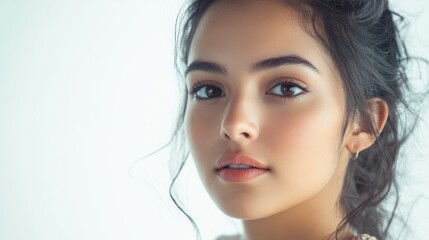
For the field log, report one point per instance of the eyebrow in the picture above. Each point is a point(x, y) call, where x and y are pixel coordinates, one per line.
point(200, 65)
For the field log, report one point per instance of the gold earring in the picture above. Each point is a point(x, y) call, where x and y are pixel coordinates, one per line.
point(355, 155)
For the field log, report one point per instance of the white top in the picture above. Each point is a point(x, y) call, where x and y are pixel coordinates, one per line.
point(233, 237)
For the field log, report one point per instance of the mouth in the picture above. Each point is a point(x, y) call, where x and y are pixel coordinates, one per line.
point(239, 160)
point(240, 174)
point(239, 167)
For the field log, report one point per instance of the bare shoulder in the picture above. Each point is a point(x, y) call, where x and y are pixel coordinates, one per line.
point(230, 237)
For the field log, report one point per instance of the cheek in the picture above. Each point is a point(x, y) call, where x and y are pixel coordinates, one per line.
point(304, 142)
point(200, 129)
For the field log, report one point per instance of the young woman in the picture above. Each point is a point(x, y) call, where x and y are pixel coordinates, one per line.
point(291, 113)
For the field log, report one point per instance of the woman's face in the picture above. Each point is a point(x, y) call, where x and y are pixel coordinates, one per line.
point(287, 115)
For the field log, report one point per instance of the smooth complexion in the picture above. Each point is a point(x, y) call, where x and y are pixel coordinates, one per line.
point(286, 112)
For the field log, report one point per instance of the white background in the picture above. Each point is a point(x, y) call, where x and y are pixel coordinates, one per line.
point(86, 89)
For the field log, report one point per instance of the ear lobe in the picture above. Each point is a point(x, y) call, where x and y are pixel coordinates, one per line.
point(361, 135)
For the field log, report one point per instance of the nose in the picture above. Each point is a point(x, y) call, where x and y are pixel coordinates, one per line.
point(239, 123)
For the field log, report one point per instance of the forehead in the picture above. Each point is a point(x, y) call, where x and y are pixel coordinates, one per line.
point(239, 33)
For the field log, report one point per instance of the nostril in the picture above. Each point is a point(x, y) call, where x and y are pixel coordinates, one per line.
point(244, 135)
point(226, 136)
point(237, 134)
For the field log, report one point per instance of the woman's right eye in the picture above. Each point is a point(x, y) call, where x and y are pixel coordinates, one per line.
point(201, 91)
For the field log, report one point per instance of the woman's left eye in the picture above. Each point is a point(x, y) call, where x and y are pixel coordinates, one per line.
point(287, 89)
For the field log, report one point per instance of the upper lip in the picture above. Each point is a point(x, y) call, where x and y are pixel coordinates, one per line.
point(238, 158)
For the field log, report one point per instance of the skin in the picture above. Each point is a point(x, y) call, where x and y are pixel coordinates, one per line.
point(300, 139)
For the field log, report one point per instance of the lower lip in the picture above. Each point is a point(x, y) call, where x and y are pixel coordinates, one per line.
point(240, 174)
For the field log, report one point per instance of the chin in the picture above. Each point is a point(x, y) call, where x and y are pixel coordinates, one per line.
point(243, 211)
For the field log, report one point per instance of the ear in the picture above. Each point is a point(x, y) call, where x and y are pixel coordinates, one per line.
point(359, 134)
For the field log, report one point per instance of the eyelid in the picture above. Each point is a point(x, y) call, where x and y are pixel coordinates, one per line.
point(276, 81)
point(289, 80)
point(203, 83)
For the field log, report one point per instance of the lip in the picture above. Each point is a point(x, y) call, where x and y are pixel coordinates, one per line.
point(235, 175)
point(239, 158)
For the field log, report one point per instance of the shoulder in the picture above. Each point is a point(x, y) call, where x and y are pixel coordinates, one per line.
point(230, 237)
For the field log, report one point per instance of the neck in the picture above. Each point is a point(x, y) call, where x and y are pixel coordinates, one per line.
point(284, 226)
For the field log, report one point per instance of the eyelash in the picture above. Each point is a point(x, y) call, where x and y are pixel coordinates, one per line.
point(290, 83)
